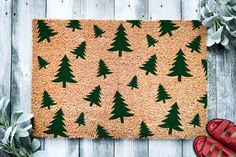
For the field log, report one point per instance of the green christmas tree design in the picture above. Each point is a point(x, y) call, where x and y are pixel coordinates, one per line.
point(196, 121)
point(42, 62)
point(172, 121)
point(102, 133)
point(74, 24)
point(150, 40)
point(98, 32)
point(103, 70)
point(133, 83)
point(120, 43)
point(150, 65)
point(203, 100)
point(135, 23)
point(80, 50)
point(120, 109)
point(94, 96)
point(167, 26)
point(57, 126)
point(47, 100)
point(80, 120)
point(180, 66)
point(196, 24)
point(162, 94)
point(44, 31)
point(144, 131)
point(195, 45)
point(204, 66)
point(64, 74)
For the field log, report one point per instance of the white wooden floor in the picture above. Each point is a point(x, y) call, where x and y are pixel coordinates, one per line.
point(15, 68)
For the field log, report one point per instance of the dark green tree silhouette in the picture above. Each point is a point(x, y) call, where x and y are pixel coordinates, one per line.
point(196, 24)
point(120, 109)
point(167, 26)
point(136, 23)
point(204, 66)
point(180, 66)
point(172, 120)
point(80, 120)
point(144, 131)
point(203, 100)
point(74, 24)
point(150, 40)
point(150, 65)
point(102, 133)
point(42, 62)
point(44, 31)
point(80, 50)
point(162, 94)
point(120, 43)
point(133, 83)
point(196, 121)
point(94, 96)
point(47, 100)
point(195, 45)
point(98, 32)
point(64, 74)
point(57, 126)
point(103, 70)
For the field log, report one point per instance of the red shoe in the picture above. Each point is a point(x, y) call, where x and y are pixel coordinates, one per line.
point(208, 147)
point(223, 131)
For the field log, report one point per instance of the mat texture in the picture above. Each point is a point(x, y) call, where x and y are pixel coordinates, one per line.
point(120, 79)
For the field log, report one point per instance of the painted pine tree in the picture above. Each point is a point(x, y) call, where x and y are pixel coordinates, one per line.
point(195, 45)
point(80, 120)
point(102, 133)
point(80, 50)
point(64, 74)
point(120, 109)
point(94, 96)
point(162, 94)
point(203, 100)
point(196, 24)
point(204, 66)
point(133, 83)
point(47, 100)
point(172, 121)
point(44, 31)
point(98, 32)
point(120, 42)
point(144, 131)
point(74, 24)
point(166, 27)
point(150, 65)
point(42, 62)
point(57, 126)
point(135, 23)
point(180, 67)
point(196, 121)
point(103, 70)
point(150, 40)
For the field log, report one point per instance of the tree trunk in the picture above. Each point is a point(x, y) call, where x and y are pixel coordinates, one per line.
point(64, 85)
point(122, 119)
point(170, 131)
point(179, 78)
point(120, 53)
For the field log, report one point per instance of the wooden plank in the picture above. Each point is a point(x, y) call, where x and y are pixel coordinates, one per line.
point(190, 11)
point(131, 9)
point(162, 9)
point(5, 48)
point(97, 9)
point(63, 9)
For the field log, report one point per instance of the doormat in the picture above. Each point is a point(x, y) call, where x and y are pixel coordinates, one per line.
point(119, 79)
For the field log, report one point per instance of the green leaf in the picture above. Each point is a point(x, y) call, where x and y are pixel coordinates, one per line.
point(3, 104)
point(15, 116)
point(13, 134)
point(225, 40)
point(208, 22)
point(217, 35)
point(39, 154)
point(35, 144)
point(21, 132)
point(24, 117)
point(5, 140)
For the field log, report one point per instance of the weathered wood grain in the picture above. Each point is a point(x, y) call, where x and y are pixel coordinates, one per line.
point(97, 9)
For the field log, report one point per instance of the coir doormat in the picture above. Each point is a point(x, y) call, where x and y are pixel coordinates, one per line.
point(120, 79)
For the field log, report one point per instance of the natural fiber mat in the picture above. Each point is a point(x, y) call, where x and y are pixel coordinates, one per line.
point(120, 79)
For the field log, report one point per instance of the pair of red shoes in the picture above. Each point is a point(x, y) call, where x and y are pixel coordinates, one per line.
point(222, 143)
